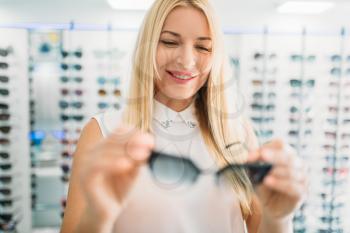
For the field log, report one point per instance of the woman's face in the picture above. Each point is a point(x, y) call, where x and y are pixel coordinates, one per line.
point(184, 54)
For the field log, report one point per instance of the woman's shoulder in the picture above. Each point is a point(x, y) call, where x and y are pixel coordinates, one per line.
point(108, 120)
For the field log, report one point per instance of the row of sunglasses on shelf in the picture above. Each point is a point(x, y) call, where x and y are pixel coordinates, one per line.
point(63, 104)
point(98, 53)
point(293, 57)
point(9, 203)
point(301, 57)
point(292, 82)
point(101, 80)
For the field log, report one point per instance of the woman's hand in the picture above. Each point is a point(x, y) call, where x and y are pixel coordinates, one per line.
point(285, 187)
point(108, 172)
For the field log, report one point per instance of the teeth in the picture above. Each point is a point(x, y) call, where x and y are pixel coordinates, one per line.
point(182, 76)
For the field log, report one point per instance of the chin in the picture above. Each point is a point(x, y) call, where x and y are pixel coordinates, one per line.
point(179, 95)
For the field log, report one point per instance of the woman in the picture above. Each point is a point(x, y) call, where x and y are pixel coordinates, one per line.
point(177, 105)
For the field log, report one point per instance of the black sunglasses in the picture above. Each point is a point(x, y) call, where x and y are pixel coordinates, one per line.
point(4, 92)
point(4, 79)
point(169, 170)
point(65, 66)
point(75, 104)
point(77, 53)
point(4, 155)
point(4, 65)
point(4, 106)
point(5, 129)
point(72, 117)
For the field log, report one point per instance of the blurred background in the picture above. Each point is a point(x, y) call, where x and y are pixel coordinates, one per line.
point(63, 61)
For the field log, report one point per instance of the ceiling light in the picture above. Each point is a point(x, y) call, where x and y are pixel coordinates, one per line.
point(130, 4)
point(304, 7)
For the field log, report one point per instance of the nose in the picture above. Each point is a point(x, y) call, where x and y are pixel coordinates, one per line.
point(187, 57)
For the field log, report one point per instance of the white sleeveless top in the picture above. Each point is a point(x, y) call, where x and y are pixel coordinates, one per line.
point(203, 207)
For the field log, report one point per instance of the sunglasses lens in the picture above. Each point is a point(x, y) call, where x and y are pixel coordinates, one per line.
point(4, 79)
point(103, 105)
point(4, 92)
point(171, 171)
point(257, 171)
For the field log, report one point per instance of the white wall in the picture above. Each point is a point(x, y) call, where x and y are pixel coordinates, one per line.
point(236, 14)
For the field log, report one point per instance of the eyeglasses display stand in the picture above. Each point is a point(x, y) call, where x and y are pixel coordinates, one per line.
point(14, 125)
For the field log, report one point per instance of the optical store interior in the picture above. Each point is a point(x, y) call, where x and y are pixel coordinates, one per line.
point(63, 61)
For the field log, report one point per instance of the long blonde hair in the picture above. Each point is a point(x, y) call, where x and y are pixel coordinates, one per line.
point(210, 102)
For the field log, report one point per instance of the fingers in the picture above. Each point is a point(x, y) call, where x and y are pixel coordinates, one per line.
point(133, 143)
point(288, 175)
point(287, 186)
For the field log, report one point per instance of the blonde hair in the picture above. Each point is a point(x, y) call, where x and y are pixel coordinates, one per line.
point(210, 102)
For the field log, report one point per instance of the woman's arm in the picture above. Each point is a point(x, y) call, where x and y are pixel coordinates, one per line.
point(90, 136)
point(259, 223)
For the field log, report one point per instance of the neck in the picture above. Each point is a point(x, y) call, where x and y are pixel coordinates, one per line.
point(175, 104)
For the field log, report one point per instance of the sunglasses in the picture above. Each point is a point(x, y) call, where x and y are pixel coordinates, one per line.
point(169, 170)
point(333, 159)
point(4, 79)
point(5, 129)
point(66, 154)
point(71, 117)
point(6, 166)
point(66, 91)
point(270, 95)
point(4, 65)
point(335, 71)
point(262, 119)
point(258, 56)
point(333, 135)
point(260, 82)
point(4, 141)
point(297, 132)
point(77, 53)
point(295, 121)
point(4, 106)
point(264, 133)
point(65, 104)
point(4, 155)
point(5, 192)
point(69, 142)
point(5, 179)
point(65, 79)
point(65, 168)
point(103, 92)
point(6, 52)
point(103, 105)
point(336, 109)
point(104, 80)
point(4, 116)
point(299, 58)
point(65, 66)
point(4, 92)
point(65, 178)
point(295, 109)
point(343, 171)
point(298, 83)
point(268, 107)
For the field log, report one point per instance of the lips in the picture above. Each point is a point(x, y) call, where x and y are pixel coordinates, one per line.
point(179, 80)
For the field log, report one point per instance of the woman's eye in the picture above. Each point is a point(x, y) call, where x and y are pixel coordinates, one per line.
point(171, 43)
point(203, 48)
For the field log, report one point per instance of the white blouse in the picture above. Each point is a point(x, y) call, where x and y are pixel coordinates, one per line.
point(151, 207)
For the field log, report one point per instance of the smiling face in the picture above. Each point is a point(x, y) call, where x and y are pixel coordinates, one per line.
point(184, 54)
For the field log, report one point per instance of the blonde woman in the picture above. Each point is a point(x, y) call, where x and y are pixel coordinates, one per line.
point(177, 105)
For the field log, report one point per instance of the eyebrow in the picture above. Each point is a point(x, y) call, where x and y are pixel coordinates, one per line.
point(178, 35)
